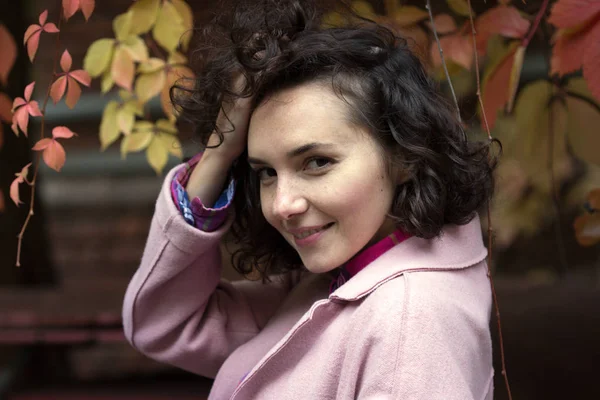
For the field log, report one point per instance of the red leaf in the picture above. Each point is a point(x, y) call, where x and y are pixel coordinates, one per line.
point(62, 132)
point(87, 8)
point(73, 93)
point(70, 7)
point(42, 144)
point(457, 48)
point(32, 44)
point(81, 76)
point(30, 31)
point(66, 61)
point(43, 17)
point(591, 61)
point(54, 156)
point(29, 91)
point(8, 53)
point(20, 119)
point(50, 28)
point(14, 191)
point(495, 91)
point(570, 13)
point(5, 108)
point(57, 90)
point(444, 23)
point(502, 20)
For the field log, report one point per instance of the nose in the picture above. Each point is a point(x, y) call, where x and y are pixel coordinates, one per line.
point(289, 201)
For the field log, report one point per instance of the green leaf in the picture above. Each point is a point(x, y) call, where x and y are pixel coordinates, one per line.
point(171, 143)
point(169, 27)
point(107, 81)
point(98, 57)
point(144, 15)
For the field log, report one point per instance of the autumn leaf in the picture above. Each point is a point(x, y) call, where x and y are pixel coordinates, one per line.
point(461, 7)
point(187, 17)
point(32, 34)
point(70, 7)
point(496, 82)
point(14, 186)
point(583, 121)
point(444, 24)
point(157, 155)
point(98, 57)
point(122, 25)
point(169, 27)
point(409, 15)
point(144, 15)
point(109, 130)
point(123, 68)
point(576, 41)
point(179, 74)
point(457, 47)
point(8, 53)
point(151, 80)
point(68, 80)
point(501, 20)
point(53, 153)
point(136, 47)
point(22, 108)
point(587, 226)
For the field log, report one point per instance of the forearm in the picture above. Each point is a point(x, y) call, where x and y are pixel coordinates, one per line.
point(209, 177)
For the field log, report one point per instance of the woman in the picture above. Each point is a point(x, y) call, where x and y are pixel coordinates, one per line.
point(353, 194)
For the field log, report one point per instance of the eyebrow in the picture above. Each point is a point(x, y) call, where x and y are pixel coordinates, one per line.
point(298, 151)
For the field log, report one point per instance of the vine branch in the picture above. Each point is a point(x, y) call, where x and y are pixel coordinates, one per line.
point(42, 129)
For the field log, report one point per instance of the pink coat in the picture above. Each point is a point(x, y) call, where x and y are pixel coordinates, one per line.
point(414, 324)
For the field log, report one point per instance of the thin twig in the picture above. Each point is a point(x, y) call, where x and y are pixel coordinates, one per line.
point(489, 213)
point(437, 40)
point(536, 23)
point(42, 127)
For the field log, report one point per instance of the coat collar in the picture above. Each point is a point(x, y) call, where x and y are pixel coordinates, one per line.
point(457, 247)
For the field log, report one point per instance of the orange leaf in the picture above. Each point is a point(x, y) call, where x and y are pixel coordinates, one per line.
point(62, 132)
point(569, 13)
point(70, 7)
point(456, 47)
point(42, 144)
point(81, 76)
point(8, 53)
point(122, 68)
point(568, 51)
point(23, 108)
point(587, 229)
point(14, 191)
point(87, 8)
point(32, 44)
point(502, 20)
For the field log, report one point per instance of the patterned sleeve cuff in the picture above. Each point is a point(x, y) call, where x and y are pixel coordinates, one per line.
point(195, 213)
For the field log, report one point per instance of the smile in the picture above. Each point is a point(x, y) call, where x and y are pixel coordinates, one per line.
point(309, 236)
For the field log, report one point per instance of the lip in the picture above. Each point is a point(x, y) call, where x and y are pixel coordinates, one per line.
point(309, 239)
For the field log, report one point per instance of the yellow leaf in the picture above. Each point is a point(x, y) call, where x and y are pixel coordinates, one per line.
point(152, 64)
point(409, 15)
point(98, 56)
point(122, 68)
point(167, 126)
point(157, 155)
point(169, 27)
point(136, 47)
point(138, 141)
point(122, 25)
point(583, 122)
point(515, 77)
point(109, 131)
point(171, 143)
point(149, 85)
point(144, 15)
point(177, 58)
point(461, 7)
point(107, 81)
point(143, 126)
point(538, 123)
point(187, 16)
point(125, 120)
point(364, 9)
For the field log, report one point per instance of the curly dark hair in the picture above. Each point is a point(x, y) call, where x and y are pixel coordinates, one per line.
point(279, 44)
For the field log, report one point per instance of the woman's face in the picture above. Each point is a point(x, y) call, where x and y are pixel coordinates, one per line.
point(323, 181)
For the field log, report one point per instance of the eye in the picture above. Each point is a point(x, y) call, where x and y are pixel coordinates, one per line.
point(317, 163)
point(265, 173)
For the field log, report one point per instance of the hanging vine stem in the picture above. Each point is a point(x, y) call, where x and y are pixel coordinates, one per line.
point(42, 128)
point(437, 40)
point(489, 213)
